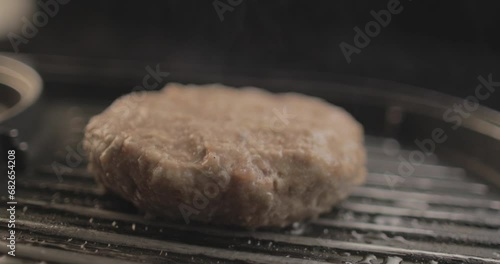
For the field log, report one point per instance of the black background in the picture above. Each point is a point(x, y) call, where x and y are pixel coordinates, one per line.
point(440, 45)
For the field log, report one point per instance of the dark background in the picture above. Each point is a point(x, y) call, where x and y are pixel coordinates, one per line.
point(440, 45)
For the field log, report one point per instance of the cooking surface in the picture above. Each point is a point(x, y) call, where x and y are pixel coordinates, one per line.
point(440, 214)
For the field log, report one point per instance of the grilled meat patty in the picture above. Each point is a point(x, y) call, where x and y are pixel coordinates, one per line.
point(216, 154)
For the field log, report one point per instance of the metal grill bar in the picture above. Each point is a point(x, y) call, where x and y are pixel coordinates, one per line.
point(432, 199)
point(430, 185)
point(489, 220)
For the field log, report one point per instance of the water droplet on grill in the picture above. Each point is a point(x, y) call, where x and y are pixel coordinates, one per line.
point(297, 228)
point(382, 236)
point(391, 147)
point(402, 240)
point(357, 235)
point(367, 260)
point(388, 220)
point(347, 215)
point(393, 260)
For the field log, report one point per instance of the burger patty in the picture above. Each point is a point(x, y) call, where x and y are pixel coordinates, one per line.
point(216, 154)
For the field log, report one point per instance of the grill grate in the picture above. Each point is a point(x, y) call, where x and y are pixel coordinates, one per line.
point(438, 215)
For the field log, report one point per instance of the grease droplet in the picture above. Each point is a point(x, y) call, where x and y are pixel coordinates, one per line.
point(367, 260)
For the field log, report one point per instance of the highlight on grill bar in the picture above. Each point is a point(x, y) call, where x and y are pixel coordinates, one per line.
point(416, 207)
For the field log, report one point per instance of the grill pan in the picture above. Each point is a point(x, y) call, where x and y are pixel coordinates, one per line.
point(446, 211)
